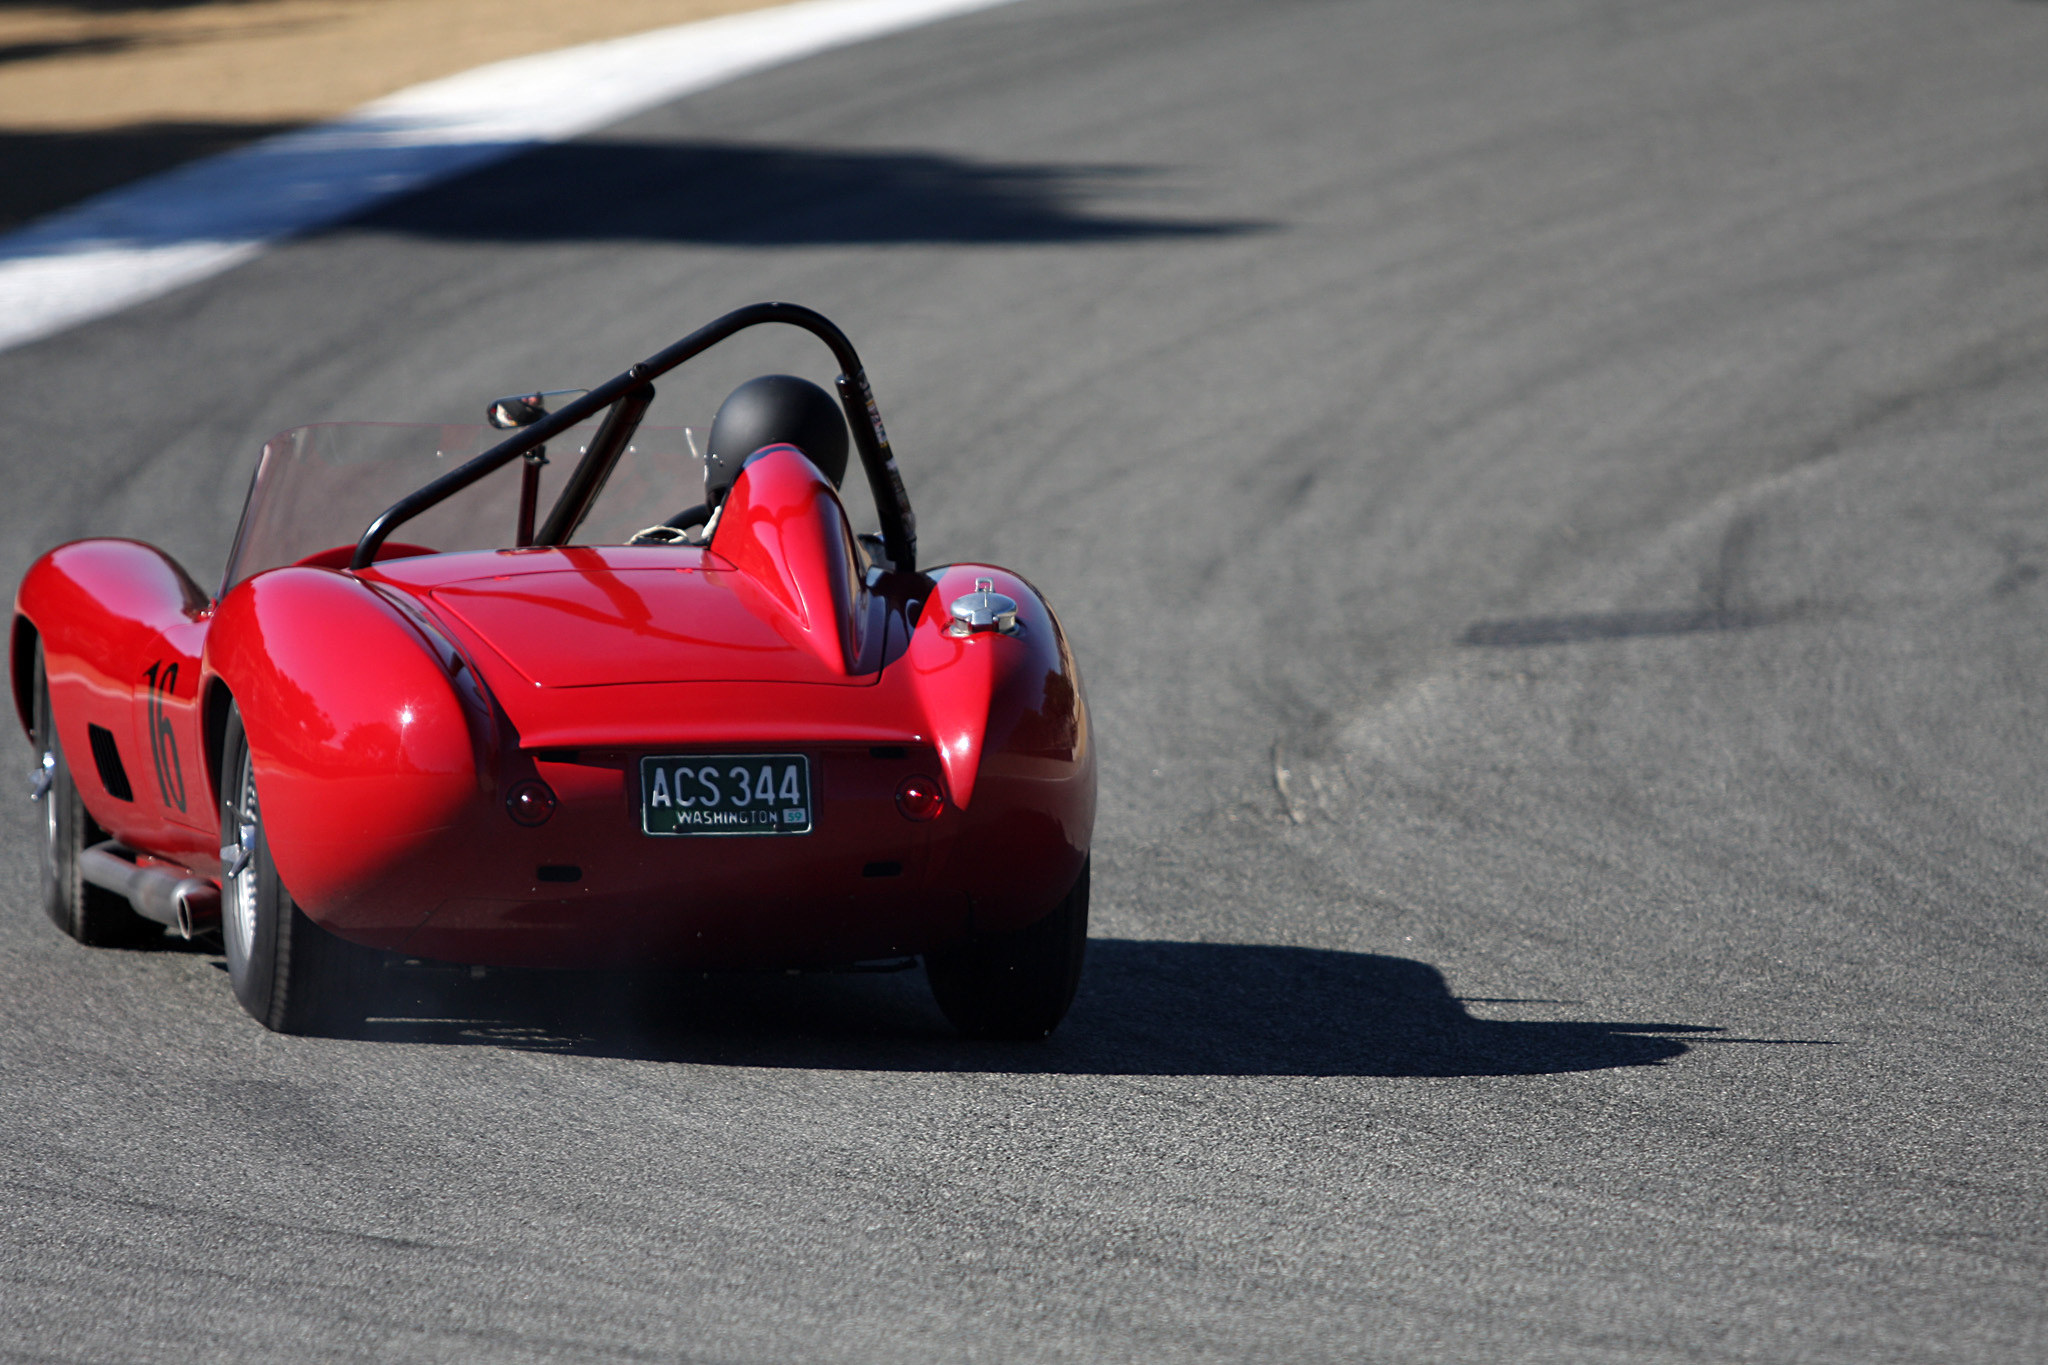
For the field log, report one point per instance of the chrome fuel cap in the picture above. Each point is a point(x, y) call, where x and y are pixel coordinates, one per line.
point(983, 609)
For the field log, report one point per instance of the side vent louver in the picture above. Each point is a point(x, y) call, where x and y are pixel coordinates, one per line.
point(107, 758)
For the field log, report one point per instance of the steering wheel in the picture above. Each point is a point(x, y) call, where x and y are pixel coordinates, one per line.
point(677, 530)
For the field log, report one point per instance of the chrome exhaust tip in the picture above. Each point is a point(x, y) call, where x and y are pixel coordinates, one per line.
point(186, 903)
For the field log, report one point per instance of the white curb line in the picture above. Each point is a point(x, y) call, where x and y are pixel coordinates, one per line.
point(149, 238)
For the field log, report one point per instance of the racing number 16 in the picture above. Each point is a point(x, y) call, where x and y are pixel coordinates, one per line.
point(163, 745)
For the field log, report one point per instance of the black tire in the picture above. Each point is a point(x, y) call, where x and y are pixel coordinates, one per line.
point(1015, 985)
point(90, 914)
point(291, 975)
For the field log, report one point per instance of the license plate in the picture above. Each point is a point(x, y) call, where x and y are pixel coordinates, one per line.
point(725, 794)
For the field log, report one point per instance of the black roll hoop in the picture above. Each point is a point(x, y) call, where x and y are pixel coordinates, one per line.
point(628, 396)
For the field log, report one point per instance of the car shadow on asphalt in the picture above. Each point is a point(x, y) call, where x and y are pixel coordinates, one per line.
point(1144, 1008)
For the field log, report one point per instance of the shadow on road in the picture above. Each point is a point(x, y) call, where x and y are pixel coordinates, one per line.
point(43, 170)
point(1145, 1008)
point(730, 194)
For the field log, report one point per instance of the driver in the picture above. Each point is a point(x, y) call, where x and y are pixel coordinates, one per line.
point(774, 409)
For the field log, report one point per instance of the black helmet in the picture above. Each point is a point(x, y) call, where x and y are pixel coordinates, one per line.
point(775, 409)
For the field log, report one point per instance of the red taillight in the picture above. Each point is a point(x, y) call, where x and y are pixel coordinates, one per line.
point(919, 798)
point(530, 802)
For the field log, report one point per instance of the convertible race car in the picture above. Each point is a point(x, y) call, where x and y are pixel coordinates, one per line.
point(622, 733)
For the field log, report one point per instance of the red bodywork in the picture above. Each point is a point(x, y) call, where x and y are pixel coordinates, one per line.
point(390, 711)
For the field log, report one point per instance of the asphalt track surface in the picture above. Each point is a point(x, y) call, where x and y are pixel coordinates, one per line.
point(1549, 498)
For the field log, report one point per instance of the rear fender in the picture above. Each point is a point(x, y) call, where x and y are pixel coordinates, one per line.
point(1009, 717)
point(370, 736)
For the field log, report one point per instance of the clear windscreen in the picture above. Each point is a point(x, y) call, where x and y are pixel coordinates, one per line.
point(317, 488)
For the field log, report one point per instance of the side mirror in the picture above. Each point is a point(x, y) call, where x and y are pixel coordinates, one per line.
point(523, 409)
point(508, 413)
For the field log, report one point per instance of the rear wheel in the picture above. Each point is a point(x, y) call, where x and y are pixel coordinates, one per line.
point(289, 973)
point(1016, 985)
point(91, 914)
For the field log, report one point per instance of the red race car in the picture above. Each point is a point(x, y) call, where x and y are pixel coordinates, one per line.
point(449, 726)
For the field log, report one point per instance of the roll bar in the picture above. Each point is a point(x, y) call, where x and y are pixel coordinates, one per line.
point(628, 396)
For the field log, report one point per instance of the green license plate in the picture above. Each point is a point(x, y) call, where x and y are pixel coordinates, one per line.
point(725, 794)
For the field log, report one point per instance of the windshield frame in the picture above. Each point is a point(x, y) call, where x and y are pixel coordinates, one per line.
point(314, 487)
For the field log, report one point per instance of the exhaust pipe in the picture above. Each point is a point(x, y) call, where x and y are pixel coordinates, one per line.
point(187, 904)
